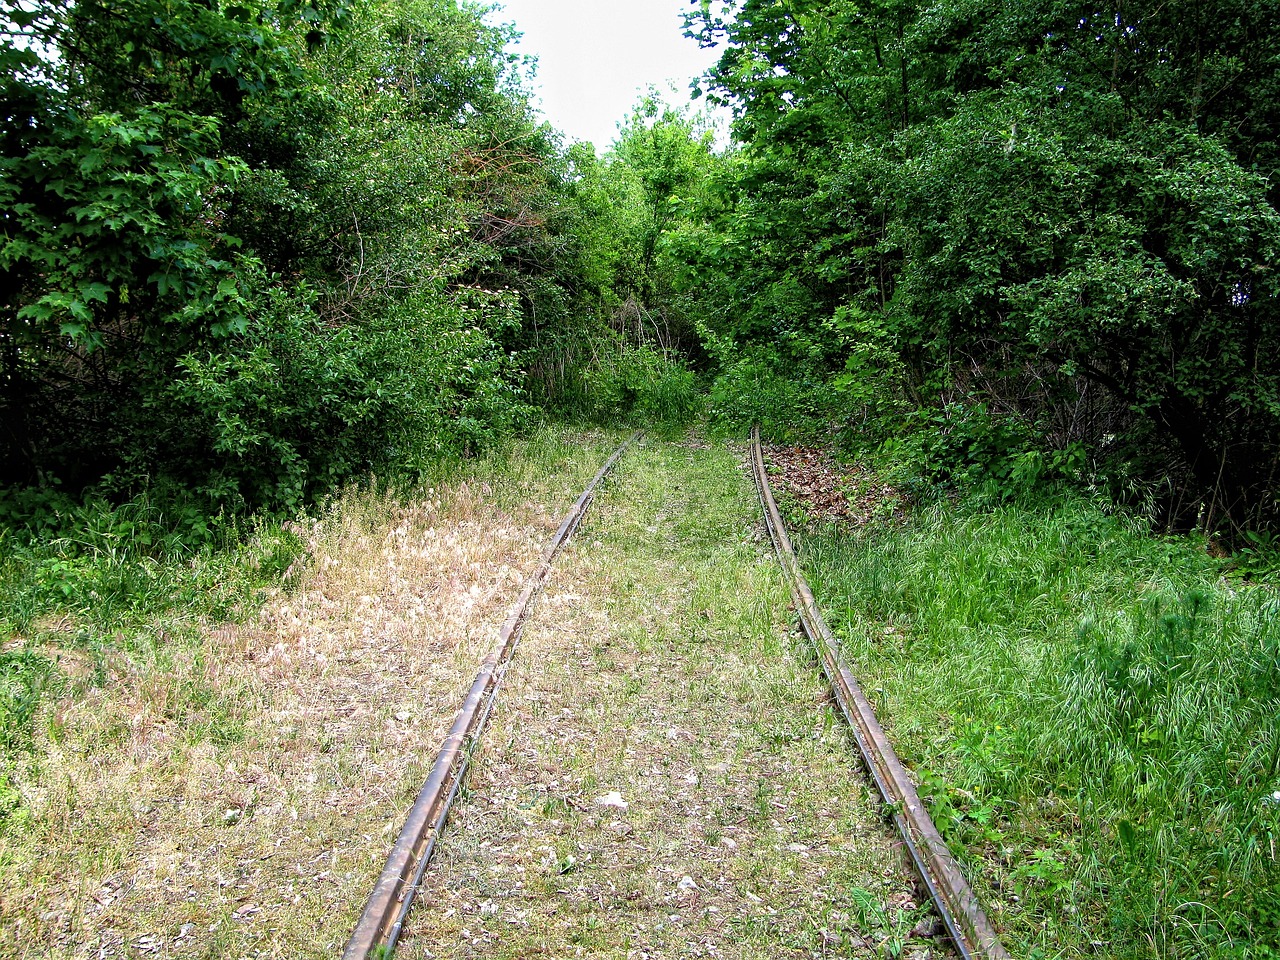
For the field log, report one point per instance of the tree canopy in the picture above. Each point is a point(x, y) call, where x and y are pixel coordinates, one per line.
point(1046, 218)
point(251, 248)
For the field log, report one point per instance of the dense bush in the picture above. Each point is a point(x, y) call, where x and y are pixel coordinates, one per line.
point(639, 383)
point(788, 404)
point(252, 250)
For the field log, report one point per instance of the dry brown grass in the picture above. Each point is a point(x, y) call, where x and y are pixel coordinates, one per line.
point(236, 797)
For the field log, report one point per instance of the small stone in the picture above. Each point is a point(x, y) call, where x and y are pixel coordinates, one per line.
point(927, 927)
point(612, 799)
point(687, 883)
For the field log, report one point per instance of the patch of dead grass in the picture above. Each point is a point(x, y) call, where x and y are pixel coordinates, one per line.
point(237, 795)
point(663, 777)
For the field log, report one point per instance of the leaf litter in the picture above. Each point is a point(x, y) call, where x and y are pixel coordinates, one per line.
point(821, 490)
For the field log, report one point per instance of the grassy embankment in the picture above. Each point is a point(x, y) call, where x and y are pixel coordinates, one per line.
point(1093, 711)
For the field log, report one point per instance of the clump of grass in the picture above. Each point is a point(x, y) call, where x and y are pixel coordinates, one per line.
point(24, 674)
point(117, 586)
point(1095, 715)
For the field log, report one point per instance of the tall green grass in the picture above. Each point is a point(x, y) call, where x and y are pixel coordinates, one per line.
point(1094, 714)
point(641, 384)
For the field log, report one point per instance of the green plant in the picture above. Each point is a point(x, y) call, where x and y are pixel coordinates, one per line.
point(642, 383)
point(24, 675)
point(788, 405)
point(1259, 556)
point(1034, 208)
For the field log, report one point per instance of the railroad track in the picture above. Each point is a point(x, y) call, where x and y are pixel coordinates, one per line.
point(382, 921)
point(378, 930)
point(953, 898)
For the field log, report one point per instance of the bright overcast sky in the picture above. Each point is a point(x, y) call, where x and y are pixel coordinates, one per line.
point(596, 57)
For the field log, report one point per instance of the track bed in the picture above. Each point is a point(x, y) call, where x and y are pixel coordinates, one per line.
point(664, 776)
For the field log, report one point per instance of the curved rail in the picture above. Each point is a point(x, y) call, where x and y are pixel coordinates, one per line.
point(954, 899)
point(378, 930)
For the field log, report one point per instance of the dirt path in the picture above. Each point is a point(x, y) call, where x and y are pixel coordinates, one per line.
point(664, 776)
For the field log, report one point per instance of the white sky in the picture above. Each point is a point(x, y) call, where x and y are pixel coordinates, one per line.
point(596, 57)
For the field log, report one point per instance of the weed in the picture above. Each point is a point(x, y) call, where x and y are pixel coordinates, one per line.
point(24, 674)
point(1259, 557)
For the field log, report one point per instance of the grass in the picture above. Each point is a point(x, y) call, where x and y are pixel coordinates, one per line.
point(82, 610)
point(124, 584)
point(661, 666)
point(207, 750)
point(1094, 714)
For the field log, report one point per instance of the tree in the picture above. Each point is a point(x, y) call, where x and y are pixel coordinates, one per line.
point(115, 188)
point(253, 248)
point(1063, 217)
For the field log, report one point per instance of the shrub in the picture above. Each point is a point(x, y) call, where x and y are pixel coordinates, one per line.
point(642, 383)
point(752, 389)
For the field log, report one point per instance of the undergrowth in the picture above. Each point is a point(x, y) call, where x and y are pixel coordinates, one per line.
point(115, 584)
point(634, 384)
point(1094, 714)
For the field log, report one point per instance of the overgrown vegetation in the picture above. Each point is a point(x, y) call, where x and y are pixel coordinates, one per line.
point(254, 250)
point(1094, 714)
point(1059, 217)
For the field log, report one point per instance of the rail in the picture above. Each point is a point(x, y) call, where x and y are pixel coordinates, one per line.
point(378, 930)
point(966, 922)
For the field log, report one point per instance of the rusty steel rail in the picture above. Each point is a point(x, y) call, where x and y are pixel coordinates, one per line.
point(378, 930)
point(966, 922)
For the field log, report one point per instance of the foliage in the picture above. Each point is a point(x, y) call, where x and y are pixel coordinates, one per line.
point(115, 188)
point(23, 676)
point(626, 211)
point(788, 404)
point(641, 383)
point(265, 247)
point(296, 406)
point(1064, 218)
